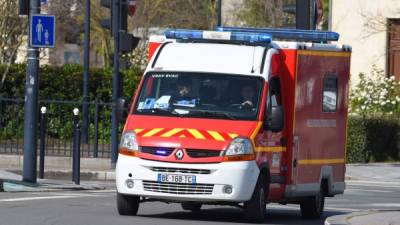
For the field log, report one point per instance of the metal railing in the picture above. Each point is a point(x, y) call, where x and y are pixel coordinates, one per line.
point(59, 127)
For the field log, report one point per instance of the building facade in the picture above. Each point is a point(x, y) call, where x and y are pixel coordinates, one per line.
point(372, 28)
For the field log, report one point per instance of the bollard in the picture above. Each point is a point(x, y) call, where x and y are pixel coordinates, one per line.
point(96, 130)
point(43, 111)
point(76, 154)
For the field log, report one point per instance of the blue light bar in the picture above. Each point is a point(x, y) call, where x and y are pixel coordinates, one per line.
point(293, 34)
point(247, 37)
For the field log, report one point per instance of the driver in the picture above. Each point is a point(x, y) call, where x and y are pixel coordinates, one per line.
point(247, 96)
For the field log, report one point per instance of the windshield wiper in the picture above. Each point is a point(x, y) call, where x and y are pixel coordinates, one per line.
point(218, 114)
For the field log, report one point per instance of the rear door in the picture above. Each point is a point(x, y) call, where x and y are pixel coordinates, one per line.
point(320, 116)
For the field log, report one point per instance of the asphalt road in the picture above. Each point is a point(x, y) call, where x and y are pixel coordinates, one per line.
point(98, 207)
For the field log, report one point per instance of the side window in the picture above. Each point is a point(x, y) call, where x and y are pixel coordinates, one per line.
point(274, 94)
point(329, 96)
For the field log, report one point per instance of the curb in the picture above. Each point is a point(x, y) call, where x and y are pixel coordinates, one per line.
point(19, 186)
point(344, 219)
point(85, 175)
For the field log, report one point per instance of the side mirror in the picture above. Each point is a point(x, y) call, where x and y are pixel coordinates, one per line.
point(274, 121)
point(121, 109)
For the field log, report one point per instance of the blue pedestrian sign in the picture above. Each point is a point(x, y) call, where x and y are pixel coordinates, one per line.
point(42, 31)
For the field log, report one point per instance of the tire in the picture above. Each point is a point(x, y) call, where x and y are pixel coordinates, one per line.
point(255, 208)
point(313, 207)
point(127, 205)
point(191, 206)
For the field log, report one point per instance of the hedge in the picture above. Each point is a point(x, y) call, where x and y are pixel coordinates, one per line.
point(65, 84)
point(369, 139)
point(373, 139)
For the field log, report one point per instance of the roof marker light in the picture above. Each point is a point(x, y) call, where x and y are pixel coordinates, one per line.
point(304, 35)
point(248, 37)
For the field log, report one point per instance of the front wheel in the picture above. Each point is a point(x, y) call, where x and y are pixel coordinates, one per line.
point(313, 207)
point(255, 208)
point(127, 204)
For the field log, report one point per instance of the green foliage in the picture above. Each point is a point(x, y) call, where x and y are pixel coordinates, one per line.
point(373, 139)
point(259, 13)
point(64, 84)
point(356, 140)
point(375, 95)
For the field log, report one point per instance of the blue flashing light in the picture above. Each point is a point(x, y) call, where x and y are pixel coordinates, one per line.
point(161, 152)
point(304, 35)
point(183, 34)
point(251, 37)
point(256, 37)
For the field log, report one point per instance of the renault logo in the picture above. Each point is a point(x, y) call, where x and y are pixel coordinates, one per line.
point(179, 154)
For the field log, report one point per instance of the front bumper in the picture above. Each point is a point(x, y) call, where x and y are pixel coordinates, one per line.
point(241, 176)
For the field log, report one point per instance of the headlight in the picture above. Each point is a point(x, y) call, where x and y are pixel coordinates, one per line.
point(128, 141)
point(239, 146)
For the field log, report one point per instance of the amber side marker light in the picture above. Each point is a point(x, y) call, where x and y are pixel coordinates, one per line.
point(247, 157)
point(125, 151)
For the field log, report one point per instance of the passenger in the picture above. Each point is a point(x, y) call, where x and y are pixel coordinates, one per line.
point(183, 94)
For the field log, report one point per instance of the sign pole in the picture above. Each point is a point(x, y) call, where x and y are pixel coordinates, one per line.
point(115, 82)
point(31, 106)
point(86, 63)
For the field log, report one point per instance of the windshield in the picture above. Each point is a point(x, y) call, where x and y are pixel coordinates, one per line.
point(201, 95)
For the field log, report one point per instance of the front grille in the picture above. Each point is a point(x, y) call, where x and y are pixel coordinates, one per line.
point(179, 170)
point(179, 189)
point(202, 153)
point(153, 150)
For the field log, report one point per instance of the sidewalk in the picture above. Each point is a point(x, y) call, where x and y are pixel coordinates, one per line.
point(60, 168)
point(366, 218)
point(374, 173)
point(11, 182)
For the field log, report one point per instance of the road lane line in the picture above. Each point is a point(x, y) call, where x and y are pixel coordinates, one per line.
point(367, 190)
point(59, 196)
point(37, 198)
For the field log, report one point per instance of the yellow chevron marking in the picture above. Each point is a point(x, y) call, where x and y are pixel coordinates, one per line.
point(171, 132)
point(138, 130)
point(320, 161)
point(232, 135)
point(271, 149)
point(196, 134)
point(152, 132)
point(216, 135)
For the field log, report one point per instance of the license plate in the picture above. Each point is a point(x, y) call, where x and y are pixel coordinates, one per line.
point(175, 178)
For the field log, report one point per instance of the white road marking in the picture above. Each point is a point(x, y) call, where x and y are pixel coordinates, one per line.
point(103, 191)
point(373, 183)
point(397, 205)
point(341, 209)
point(274, 206)
point(36, 198)
point(59, 196)
point(367, 190)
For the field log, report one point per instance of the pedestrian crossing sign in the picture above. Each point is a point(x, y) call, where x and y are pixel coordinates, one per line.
point(42, 31)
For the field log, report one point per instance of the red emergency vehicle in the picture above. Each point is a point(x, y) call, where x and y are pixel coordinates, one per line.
point(236, 117)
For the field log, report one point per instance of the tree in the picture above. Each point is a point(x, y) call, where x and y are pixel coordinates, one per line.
point(12, 31)
point(262, 13)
